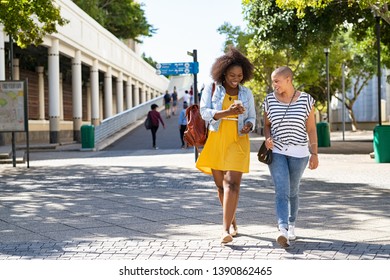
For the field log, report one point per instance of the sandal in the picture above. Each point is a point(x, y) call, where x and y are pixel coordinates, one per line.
point(226, 237)
point(235, 231)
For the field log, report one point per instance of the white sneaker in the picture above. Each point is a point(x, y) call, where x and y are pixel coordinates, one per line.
point(291, 232)
point(282, 238)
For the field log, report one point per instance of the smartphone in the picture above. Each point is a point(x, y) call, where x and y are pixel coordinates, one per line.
point(238, 102)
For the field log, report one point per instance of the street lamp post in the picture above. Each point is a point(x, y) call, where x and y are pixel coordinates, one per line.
point(194, 54)
point(328, 112)
point(378, 42)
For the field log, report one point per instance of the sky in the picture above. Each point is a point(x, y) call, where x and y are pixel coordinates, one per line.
point(185, 25)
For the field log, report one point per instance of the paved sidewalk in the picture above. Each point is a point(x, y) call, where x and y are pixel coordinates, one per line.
point(149, 204)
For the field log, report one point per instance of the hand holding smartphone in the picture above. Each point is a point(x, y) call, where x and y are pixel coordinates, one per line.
point(238, 104)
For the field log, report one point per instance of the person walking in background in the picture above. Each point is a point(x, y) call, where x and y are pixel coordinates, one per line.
point(167, 104)
point(183, 124)
point(290, 131)
point(174, 101)
point(186, 97)
point(200, 93)
point(191, 93)
point(230, 113)
point(156, 119)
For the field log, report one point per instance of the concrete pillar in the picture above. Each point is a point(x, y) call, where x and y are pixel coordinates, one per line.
point(147, 93)
point(143, 93)
point(54, 91)
point(41, 92)
point(16, 69)
point(136, 93)
point(108, 93)
point(129, 94)
point(101, 104)
point(88, 86)
point(119, 93)
point(61, 98)
point(77, 101)
point(2, 69)
point(2, 54)
point(95, 93)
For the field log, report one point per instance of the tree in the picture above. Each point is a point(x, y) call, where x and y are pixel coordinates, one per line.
point(149, 60)
point(123, 18)
point(379, 6)
point(29, 21)
point(298, 41)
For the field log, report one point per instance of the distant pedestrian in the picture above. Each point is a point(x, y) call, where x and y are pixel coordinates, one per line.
point(174, 101)
point(183, 124)
point(200, 93)
point(191, 95)
point(290, 131)
point(167, 104)
point(156, 119)
point(186, 97)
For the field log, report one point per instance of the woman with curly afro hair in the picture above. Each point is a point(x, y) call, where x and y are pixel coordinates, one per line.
point(228, 107)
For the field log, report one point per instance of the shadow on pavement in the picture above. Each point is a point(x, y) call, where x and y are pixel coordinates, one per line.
point(80, 203)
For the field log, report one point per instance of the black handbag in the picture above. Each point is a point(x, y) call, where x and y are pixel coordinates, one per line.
point(264, 155)
point(148, 122)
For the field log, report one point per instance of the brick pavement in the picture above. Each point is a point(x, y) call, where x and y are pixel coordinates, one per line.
point(153, 205)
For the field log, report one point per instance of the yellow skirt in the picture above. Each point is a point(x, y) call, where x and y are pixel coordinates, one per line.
point(224, 149)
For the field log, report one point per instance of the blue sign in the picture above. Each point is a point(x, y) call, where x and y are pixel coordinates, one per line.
point(177, 68)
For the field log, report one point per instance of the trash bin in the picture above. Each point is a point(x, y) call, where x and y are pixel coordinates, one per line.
point(87, 136)
point(323, 134)
point(381, 143)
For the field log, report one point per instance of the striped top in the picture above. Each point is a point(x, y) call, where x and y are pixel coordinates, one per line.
point(290, 130)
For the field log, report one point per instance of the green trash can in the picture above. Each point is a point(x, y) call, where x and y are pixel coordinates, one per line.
point(323, 134)
point(87, 136)
point(382, 143)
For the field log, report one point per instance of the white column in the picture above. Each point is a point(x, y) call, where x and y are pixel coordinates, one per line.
point(2, 54)
point(129, 94)
point(119, 93)
point(61, 98)
point(77, 90)
point(16, 69)
point(136, 93)
point(54, 91)
point(101, 104)
point(88, 86)
point(95, 93)
point(2, 69)
point(143, 93)
point(41, 91)
point(108, 93)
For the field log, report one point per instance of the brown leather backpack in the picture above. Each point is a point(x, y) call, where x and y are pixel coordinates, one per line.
point(196, 132)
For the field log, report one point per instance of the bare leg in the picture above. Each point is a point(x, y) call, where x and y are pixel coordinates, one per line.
point(231, 187)
point(228, 185)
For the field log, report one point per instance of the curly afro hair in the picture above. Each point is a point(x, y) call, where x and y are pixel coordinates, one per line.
point(232, 57)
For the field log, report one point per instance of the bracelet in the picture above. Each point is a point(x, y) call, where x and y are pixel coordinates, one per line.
point(314, 154)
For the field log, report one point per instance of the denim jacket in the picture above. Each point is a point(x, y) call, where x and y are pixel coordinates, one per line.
point(209, 106)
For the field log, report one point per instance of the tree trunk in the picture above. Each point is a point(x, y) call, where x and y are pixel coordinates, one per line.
point(353, 119)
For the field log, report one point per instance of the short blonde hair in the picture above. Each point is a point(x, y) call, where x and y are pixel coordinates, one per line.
point(285, 71)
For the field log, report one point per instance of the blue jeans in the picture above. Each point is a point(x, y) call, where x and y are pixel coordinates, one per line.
point(286, 172)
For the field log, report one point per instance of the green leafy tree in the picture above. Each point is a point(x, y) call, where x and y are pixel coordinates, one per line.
point(123, 18)
point(28, 21)
point(298, 41)
point(378, 6)
point(149, 60)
